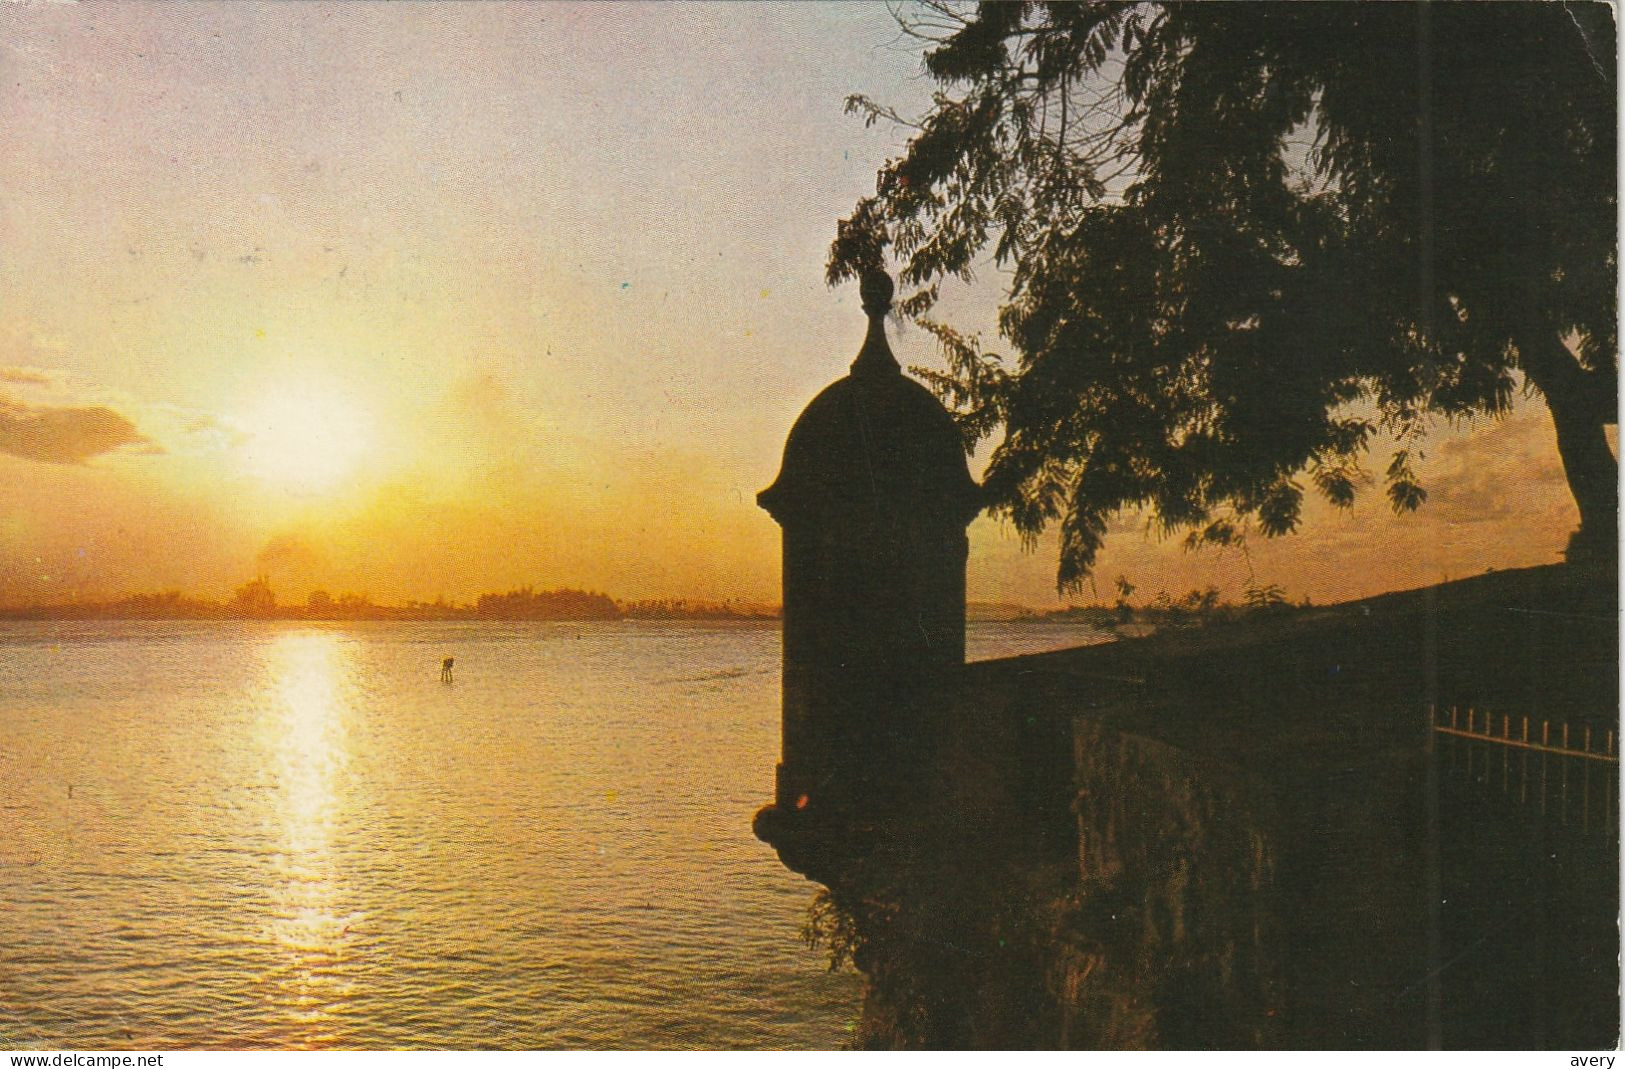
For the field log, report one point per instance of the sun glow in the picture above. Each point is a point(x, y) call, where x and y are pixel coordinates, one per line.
point(307, 441)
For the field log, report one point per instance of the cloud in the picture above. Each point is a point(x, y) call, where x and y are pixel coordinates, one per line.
point(204, 423)
point(24, 376)
point(288, 553)
point(63, 435)
point(1496, 472)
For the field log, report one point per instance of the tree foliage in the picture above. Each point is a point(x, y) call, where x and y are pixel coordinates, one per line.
point(1245, 238)
point(255, 597)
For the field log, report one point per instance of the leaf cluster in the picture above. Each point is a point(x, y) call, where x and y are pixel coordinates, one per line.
point(1243, 239)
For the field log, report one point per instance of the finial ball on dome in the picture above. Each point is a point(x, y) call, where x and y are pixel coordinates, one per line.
point(875, 288)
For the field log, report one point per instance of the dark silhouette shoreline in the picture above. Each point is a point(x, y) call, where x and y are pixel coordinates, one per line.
point(255, 601)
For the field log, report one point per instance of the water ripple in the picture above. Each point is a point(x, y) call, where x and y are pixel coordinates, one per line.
point(294, 837)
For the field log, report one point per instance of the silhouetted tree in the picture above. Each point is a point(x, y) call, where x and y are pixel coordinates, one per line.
point(254, 598)
point(1245, 237)
point(356, 605)
point(527, 603)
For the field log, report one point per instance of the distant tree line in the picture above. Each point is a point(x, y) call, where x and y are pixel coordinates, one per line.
point(256, 600)
point(527, 603)
point(1197, 608)
point(683, 609)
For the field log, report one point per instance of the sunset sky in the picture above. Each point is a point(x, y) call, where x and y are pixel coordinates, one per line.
point(426, 300)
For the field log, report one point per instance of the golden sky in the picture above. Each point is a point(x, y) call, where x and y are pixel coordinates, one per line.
point(426, 300)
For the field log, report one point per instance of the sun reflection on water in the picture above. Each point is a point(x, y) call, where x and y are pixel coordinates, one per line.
point(312, 916)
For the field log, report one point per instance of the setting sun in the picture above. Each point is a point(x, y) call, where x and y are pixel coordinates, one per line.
point(307, 441)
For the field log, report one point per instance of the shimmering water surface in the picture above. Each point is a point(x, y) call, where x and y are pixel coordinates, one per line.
point(292, 835)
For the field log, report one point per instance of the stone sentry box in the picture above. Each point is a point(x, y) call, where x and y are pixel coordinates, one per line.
point(874, 497)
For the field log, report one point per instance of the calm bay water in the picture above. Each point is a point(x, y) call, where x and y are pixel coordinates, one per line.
point(292, 835)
